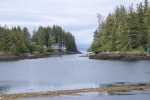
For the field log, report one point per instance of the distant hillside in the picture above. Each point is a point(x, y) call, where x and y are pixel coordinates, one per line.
point(83, 47)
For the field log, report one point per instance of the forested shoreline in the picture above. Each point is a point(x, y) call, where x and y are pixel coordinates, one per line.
point(18, 40)
point(125, 30)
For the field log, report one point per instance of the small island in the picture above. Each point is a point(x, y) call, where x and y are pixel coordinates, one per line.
point(17, 43)
point(124, 34)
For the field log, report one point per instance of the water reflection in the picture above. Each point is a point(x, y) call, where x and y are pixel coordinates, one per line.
point(129, 92)
point(4, 89)
point(56, 55)
point(148, 72)
point(115, 84)
point(116, 93)
point(125, 92)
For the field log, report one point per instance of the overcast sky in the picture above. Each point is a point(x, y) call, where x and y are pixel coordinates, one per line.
point(76, 16)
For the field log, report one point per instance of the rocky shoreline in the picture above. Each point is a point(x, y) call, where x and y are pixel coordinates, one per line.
point(124, 56)
point(33, 55)
point(70, 92)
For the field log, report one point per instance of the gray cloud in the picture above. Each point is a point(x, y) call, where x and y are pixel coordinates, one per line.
point(76, 16)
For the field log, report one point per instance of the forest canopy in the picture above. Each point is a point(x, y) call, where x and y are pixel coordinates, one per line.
point(17, 40)
point(125, 30)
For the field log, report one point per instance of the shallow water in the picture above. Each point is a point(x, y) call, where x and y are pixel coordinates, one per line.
point(61, 72)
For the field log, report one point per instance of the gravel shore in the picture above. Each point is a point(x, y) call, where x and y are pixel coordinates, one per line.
point(33, 55)
point(123, 56)
point(70, 92)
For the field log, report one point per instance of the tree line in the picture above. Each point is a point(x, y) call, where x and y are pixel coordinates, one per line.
point(17, 40)
point(124, 30)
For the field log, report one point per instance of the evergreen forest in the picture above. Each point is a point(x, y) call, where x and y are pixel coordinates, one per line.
point(127, 29)
point(17, 40)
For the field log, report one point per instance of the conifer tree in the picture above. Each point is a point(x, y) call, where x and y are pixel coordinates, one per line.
point(124, 30)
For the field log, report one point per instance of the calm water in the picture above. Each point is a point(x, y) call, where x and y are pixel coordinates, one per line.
point(68, 72)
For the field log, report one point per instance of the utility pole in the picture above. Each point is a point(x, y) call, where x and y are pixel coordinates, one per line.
point(62, 42)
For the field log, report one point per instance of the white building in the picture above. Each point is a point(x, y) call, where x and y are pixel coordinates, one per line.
point(58, 48)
